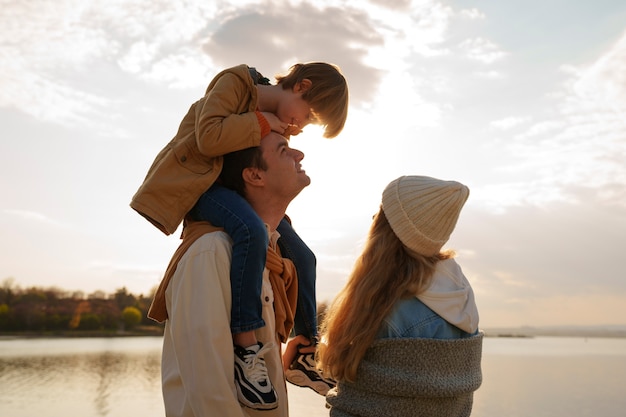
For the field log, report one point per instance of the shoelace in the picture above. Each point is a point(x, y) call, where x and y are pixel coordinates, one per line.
point(256, 371)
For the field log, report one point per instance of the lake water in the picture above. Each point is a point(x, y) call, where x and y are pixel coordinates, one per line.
point(120, 377)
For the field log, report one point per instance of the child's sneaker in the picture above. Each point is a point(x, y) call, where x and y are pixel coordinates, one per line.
point(254, 388)
point(302, 372)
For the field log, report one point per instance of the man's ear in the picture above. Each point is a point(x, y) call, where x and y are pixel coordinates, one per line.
point(252, 176)
point(303, 86)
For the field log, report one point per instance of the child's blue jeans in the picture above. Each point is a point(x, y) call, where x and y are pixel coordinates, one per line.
point(225, 208)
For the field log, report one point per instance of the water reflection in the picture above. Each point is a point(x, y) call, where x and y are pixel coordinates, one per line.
point(106, 367)
point(117, 380)
point(120, 377)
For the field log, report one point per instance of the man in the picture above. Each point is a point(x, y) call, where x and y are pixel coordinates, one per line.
point(194, 297)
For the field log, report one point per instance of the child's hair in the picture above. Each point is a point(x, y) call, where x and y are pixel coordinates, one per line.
point(385, 272)
point(328, 95)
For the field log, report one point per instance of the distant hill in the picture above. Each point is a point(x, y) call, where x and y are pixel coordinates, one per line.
point(568, 331)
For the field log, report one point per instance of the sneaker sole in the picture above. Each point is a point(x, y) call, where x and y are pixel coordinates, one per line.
point(243, 400)
point(300, 379)
point(255, 406)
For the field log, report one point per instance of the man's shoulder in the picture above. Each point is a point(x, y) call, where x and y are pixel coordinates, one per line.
point(218, 242)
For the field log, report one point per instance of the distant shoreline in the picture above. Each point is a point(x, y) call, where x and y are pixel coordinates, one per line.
point(558, 331)
point(140, 331)
point(501, 332)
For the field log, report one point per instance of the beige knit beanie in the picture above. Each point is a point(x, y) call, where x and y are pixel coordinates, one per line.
point(423, 211)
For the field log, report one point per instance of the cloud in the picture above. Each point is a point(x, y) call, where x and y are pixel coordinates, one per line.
point(277, 37)
point(184, 45)
point(54, 48)
point(472, 14)
point(422, 30)
point(508, 122)
point(39, 42)
point(33, 217)
point(400, 5)
point(52, 52)
point(186, 69)
point(604, 82)
point(490, 75)
point(571, 249)
point(482, 50)
point(578, 145)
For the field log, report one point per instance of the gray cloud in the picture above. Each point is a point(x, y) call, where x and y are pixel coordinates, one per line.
point(279, 37)
point(561, 248)
point(47, 48)
point(401, 5)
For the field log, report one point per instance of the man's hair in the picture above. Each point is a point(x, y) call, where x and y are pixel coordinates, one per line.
point(328, 95)
point(234, 164)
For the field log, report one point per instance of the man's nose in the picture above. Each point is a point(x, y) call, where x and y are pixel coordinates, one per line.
point(298, 155)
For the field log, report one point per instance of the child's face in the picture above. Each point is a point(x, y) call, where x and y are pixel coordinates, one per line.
point(295, 110)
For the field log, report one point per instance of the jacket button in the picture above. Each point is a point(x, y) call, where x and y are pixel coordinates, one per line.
point(183, 158)
point(267, 298)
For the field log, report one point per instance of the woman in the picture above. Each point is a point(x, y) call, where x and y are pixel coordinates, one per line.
point(402, 339)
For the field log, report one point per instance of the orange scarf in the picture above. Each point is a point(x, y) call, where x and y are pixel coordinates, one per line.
point(282, 274)
point(284, 282)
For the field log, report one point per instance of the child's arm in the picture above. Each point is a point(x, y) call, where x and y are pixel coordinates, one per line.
point(225, 120)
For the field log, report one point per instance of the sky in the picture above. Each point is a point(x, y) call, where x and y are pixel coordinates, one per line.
point(522, 101)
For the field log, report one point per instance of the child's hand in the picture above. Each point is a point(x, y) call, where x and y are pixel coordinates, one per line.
point(292, 130)
point(279, 126)
point(298, 343)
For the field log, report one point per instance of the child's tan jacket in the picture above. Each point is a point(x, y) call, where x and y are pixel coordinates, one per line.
point(222, 121)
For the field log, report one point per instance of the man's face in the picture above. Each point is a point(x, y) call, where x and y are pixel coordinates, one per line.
point(284, 176)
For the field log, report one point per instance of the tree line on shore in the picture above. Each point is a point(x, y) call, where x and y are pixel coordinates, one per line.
point(53, 310)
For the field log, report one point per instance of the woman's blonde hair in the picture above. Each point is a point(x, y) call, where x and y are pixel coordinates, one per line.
point(328, 95)
point(385, 272)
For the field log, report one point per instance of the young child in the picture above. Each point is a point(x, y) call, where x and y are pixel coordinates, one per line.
point(240, 106)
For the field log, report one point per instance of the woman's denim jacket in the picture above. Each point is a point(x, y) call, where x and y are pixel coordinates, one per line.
point(410, 318)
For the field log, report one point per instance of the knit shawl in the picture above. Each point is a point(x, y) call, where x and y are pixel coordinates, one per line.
point(412, 377)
